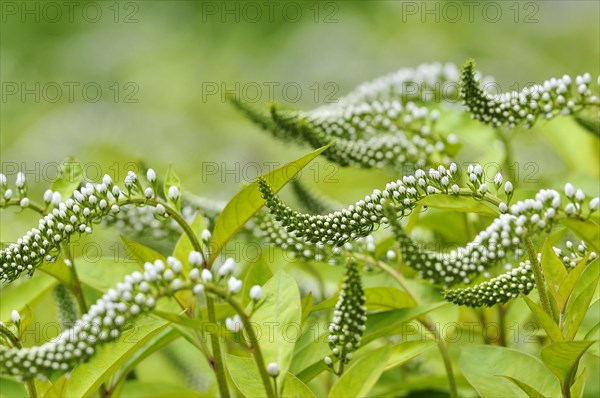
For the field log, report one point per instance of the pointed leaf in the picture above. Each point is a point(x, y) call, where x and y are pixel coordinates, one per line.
point(579, 385)
point(249, 200)
point(562, 359)
point(140, 253)
point(295, 388)
point(554, 269)
point(87, 378)
point(544, 319)
point(405, 351)
point(530, 391)
point(461, 204)
point(580, 299)
point(362, 375)
point(481, 365)
point(18, 296)
point(568, 284)
point(377, 298)
point(103, 273)
point(258, 274)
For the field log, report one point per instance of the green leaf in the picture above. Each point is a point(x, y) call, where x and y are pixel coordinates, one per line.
point(140, 253)
point(580, 299)
point(87, 378)
point(277, 321)
point(530, 391)
point(590, 124)
point(377, 298)
point(554, 270)
point(59, 271)
point(587, 230)
point(378, 325)
point(295, 388)
point(563, 357)
point(18, 296)
point(58, 388)
point(481, 365)
point(566, 287)
point(171, 180)
point(407, 350)
point(544, 319)
point(258, 274)
point(184, 245)
point(579, 385)
point(69, 179)
point(249, 200)
point(245, 375)
point(362, 375)
point(307, 305)
point(139, 389)
point(104, 273)
point(462, 204)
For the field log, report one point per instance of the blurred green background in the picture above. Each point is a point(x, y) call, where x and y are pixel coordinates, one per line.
point(113, 83)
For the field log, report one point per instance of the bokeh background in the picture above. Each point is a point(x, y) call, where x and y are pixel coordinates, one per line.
point(113, 83)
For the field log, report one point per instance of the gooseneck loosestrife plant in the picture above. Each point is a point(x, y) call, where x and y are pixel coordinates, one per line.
point(197, 295)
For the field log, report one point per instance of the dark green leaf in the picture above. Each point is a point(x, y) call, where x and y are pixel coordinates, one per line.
point(362, 375)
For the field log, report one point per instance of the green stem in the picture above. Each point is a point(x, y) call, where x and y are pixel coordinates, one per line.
point(539, 277)
point(442, 346)
point(76, 283)
point(17, 202)
point(255, 348)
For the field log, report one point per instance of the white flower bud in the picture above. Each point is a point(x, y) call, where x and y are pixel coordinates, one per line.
point(130, 178)
point(47, 195)
point(173, 192)
point(106, 180)
point(195, 258)
point(569, 190)
point(508, 187)
point(160, 209)
point(56, 198)
point(14, 315)
point(273, 369)
point(328, 361)
point(194, 274)
point(24, 202)
point(594, 203)
point(20, 181)
point(390, 255)
point(206, 235)
point(148, 192)
point(256, 293)
point(206, 275)
point(234, 324)
point(151, 175)
point(503, 207)
point(483, 188)
point(198, 289)
point(579, 195)
point(8, 194)
point(2, 180)
point(498, 179)
point(227, 267)
point(234, 285)
point(455, 188)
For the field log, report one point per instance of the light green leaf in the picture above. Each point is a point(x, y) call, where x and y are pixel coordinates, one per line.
point(18, 295)
point(594, 334)
point(138, 389)
point(258, 274)
point(362, 375)
point(562, 359)
point(377, 298)
point(566, 287)
point(184, 245)
point(307, 305)
point(58, 388)
point(407, 350)
point(105, 273)
point(87, 378)
point(277, 321)
point(295, 388)
point(59, 271)
point(554, 270)
point(378, 325)
point(245, 375)
point(481, 365)
point(544, 319)
point(69, 179)
point(249, 200)
point(580, 299)
point(140, 253)
point(530, 391)
point(462, 204)
point(587, 230)
point(579, 385)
